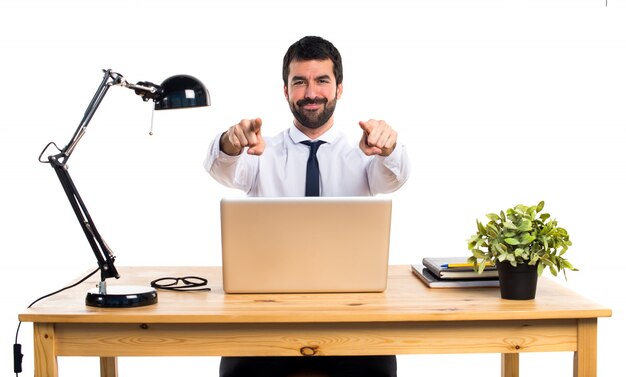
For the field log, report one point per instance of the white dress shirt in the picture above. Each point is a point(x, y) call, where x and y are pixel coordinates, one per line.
point(281, 170)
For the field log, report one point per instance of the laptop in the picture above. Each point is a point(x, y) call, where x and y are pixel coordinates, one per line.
point(305, 244)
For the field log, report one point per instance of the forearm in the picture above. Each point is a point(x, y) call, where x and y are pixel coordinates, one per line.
point(388, 174)
point(225, 169)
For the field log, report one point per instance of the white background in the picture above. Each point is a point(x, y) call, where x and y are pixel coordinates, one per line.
point(499, 102)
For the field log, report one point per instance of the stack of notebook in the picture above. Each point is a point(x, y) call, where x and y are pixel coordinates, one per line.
point(454, 272)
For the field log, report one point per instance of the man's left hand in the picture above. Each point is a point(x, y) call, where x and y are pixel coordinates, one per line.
point(378, 138)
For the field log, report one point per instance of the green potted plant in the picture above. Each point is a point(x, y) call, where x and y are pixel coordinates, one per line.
point(522, 243)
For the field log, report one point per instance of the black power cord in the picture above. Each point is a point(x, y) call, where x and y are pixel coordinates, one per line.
point(17, 348)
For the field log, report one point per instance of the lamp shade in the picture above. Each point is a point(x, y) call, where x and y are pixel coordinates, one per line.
point(182, 91)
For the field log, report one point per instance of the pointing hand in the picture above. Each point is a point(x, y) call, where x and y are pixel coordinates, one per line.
point(246, 133)
point(378, 138)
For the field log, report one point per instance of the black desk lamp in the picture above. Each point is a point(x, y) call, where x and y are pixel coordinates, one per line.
point(176, 92)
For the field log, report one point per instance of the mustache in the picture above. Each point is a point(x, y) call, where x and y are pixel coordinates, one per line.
point(312, 101)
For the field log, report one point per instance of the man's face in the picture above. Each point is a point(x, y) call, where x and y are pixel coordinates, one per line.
point(312, 92)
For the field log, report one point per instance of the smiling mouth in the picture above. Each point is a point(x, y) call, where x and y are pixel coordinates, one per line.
point(310, 104)
point(312, 107)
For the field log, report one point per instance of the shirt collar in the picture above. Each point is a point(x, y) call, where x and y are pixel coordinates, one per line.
point(297, 136)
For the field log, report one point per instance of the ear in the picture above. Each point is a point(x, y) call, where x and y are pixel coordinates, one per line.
point(286, 92)
point(339, 90)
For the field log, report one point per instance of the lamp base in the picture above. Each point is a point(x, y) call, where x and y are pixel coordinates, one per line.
point(122, 296)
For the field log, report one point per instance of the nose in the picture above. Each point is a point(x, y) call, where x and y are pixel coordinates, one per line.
point(310, 91)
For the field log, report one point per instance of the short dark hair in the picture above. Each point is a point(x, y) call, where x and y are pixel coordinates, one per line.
point(313, 48)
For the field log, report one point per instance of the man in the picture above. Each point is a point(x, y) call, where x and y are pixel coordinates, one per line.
point(310, 158)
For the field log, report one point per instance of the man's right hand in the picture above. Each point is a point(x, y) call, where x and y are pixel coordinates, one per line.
point(246, 133)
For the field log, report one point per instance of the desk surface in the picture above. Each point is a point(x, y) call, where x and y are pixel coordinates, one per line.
point(406, 299)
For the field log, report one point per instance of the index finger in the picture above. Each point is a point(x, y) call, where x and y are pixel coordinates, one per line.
point(257, 145)
point(365, 126)
point(256, 124)
point(250, 130)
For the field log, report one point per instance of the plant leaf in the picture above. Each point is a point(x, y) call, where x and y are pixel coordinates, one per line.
point(493, 217)
point(525, 226)
point(540, 206)
point(512, 241)
point(540, 268)
point(509, 225)
point(481, 266)
point(526, 239)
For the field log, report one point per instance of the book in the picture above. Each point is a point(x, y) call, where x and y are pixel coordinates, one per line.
point(457, 268)
point(432, 281)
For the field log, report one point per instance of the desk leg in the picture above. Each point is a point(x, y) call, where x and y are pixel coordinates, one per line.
point(586, 356)
point(510, 365)
point(45, 350)
point(108, 367)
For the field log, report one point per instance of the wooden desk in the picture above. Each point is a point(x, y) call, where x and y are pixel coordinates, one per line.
point(408, 318)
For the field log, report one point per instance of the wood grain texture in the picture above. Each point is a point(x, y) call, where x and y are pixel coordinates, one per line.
point(585, 360)
point(297, 339)
point(406, 299)
point(45, 350)
point(408, 318)
point(509, 365)
point(108, 367)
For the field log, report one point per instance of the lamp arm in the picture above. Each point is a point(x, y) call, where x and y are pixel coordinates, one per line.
point(110, 78)
point(101, 250)
point(145, 89)
point(103, 253)
point(180, 91)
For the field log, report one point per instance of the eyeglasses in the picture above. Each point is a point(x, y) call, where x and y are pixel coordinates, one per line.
point(182, 284)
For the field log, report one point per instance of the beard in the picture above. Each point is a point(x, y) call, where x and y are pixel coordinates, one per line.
point(313, 119)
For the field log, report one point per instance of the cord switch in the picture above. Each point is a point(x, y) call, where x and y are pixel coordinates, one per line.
point(17, 358)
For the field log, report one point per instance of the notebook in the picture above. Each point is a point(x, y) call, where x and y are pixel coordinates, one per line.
point(305, 244)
